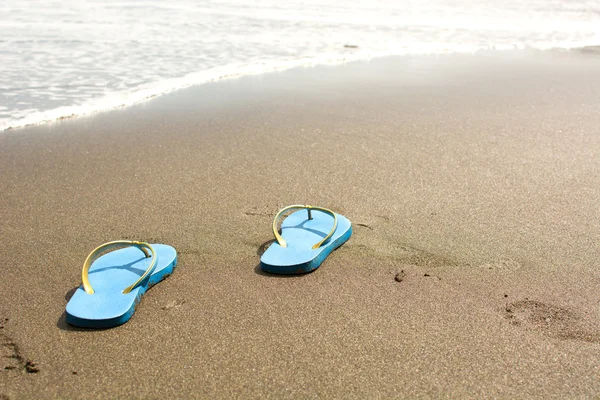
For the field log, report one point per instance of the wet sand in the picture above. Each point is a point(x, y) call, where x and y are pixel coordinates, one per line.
point(473, 186)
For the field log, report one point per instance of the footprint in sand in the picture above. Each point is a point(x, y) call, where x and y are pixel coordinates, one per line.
point(174, 304)
point(390, 248)
point(508, 265)
point(259, 212)
point(552, 320)
point(373, 223)
point(11, 358)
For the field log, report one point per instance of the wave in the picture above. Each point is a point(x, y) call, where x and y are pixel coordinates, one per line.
point(120, 99)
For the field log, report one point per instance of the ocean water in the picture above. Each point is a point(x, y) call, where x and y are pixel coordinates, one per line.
point(74, 57)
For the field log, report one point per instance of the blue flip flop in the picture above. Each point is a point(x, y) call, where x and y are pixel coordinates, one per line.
point(114, 283)
point(305, 240)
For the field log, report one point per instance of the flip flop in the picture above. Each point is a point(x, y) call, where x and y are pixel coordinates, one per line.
point(305, 240)
point(114, 283)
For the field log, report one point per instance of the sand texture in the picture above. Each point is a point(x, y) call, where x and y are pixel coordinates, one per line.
point(473, 186)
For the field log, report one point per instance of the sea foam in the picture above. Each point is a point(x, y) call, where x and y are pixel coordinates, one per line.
point(65, 58)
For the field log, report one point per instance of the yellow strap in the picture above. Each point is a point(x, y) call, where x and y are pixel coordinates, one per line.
point(143, 246)
point(282, 242)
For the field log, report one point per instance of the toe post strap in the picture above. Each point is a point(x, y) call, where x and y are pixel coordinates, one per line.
point(309, 208)
point(142, 246)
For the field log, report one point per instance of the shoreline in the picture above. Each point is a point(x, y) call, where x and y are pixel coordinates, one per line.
point(472, 183)
point(219, 74)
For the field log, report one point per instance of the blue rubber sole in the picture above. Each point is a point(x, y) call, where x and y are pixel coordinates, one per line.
point(105, 323)
point(301, 234)
point(161, 275)
point(83, 311)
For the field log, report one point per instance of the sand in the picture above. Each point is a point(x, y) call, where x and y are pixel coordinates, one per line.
point(473, 186)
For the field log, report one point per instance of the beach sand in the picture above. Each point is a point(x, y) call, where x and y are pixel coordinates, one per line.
point(473, 186)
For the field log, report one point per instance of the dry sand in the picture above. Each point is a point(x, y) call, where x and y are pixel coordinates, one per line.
point(473, 185)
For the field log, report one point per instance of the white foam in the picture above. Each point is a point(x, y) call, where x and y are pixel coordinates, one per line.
point(84, 57)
